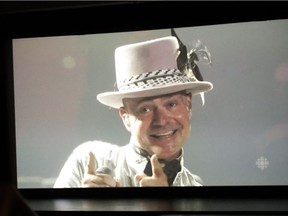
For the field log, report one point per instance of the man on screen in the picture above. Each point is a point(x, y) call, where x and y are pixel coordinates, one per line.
point(156, 81)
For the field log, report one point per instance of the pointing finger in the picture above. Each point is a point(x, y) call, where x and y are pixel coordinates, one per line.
point(92, 164)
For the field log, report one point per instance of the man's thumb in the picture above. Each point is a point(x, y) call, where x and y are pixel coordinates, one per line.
point(157, 169)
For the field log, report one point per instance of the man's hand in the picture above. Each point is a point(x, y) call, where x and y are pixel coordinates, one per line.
point(94, 179)
point(158, 177)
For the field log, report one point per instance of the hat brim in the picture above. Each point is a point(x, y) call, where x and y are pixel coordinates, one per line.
point(114, 99)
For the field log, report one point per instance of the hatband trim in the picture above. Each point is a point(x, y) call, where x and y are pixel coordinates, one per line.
point(153, 79)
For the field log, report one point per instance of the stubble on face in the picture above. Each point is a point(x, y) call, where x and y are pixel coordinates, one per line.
point(163, 127)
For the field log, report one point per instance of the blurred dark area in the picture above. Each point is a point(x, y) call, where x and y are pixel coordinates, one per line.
point(12, 203)
point(12, 7)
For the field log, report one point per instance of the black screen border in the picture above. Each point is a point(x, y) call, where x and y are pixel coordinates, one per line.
point(78, 20)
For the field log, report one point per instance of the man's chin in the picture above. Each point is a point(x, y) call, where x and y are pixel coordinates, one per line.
point(167, 155)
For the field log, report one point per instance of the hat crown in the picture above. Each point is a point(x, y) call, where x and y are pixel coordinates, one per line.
point(149, 69)
point(139, 58)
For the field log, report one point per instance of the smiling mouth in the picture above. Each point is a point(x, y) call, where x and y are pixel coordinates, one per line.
point(164, 135)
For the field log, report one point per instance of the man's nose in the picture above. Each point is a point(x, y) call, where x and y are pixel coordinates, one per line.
point(160, 116)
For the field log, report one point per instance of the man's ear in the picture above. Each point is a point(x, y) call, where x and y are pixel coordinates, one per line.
point(190, 113)
point(189, 100)
point(125, 118)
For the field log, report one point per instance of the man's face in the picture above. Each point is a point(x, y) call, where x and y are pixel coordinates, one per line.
point(160, 125)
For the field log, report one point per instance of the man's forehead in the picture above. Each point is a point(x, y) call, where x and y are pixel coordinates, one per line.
point(144, 99)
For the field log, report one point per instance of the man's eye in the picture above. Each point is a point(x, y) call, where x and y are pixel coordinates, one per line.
point(145, 110)
point(173, 104)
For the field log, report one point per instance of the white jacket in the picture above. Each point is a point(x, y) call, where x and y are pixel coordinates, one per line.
point(123, 160)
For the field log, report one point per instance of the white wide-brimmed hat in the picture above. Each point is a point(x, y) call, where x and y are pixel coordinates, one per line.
point(149, 69)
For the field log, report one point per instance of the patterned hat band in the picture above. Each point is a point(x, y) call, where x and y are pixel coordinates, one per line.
point(154, 79)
